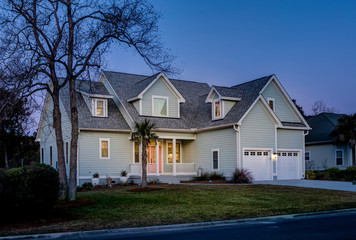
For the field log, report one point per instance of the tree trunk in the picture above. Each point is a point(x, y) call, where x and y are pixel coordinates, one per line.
point(6, 158)
point(57, 125)
point(353, 155)
point(144, 164)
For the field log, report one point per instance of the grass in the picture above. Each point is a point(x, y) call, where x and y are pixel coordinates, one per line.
point(117, 208)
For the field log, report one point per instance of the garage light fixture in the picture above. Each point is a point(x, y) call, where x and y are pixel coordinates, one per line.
point(274, 156)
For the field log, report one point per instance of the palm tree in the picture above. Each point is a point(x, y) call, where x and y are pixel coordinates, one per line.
point(144, 135)
point(345, 133)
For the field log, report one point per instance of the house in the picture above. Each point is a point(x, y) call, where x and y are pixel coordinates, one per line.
point(252, 125)
point(321, 153)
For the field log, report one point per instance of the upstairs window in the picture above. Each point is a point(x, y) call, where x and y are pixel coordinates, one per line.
point(217, 113)
point(271, 103)
point(339, 155)
point(100, 108)
point(160, 106)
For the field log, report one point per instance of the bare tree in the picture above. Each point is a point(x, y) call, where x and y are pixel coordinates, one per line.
point(68, 39)
point(320, 107)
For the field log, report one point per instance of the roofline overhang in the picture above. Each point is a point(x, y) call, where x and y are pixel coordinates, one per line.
point(231, 99)
point(95, 95)
point(194, 130)
point(295, 128)
point(318, 142)
point(105, 130)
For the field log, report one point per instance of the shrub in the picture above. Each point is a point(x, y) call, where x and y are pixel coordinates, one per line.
point(216, 176)
point(86, 186)
point(312, 175)
point(350, 173)
point(334, 173)
point(96, 175)
point(242, 176)
point(33, 189)
point(203, 177)
point(123, 173)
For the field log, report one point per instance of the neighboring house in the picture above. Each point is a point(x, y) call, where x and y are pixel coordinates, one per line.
point(253, 125)
point(321, 153)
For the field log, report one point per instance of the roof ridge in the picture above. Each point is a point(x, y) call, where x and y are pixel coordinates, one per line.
point(258, 79)
point(181, 80)
point(147, 78)
point(141, 75)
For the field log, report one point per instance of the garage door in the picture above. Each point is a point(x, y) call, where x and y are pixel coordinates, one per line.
point(288, 165)
point(258, 162)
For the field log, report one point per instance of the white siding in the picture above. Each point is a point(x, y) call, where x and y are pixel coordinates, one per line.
point(290, 139)
point(225, 141)
point(282, 107)
point(137, 105)
point(160, 88)
point(257, 130)
point(121, 154)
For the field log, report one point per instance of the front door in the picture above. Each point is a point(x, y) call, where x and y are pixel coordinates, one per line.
point(152, 167)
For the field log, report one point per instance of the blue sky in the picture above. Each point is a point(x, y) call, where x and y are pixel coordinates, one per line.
point(309, 45)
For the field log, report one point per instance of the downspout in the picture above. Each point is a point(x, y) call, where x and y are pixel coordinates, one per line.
point(303, 154)
point(238, 155)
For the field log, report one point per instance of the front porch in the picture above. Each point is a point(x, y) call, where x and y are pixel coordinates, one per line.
point(160, 158)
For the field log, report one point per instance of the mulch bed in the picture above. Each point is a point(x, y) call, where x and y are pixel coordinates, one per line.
point(145, 189)
point(207, 182)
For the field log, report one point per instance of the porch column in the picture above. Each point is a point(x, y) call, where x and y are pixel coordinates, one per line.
point(157, 157)
point(174, 157)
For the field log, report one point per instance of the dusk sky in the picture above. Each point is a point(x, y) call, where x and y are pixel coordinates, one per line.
point(309, 45)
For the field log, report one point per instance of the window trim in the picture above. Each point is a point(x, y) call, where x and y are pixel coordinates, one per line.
point(95, 106)
point(274, 104)
point(100, 149)
point(342, 151)
point(153, 104)
point(180, 153)
point(221, 109)
point(212, 159)
point(309, 156)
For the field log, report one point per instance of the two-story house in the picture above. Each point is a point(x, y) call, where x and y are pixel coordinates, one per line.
point(252, 125)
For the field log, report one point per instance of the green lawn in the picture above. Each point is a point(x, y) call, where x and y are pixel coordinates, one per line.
point(116, 208)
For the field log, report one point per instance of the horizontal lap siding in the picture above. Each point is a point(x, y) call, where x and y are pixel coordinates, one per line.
point(189, 151)
point(225, 141)
point(323, 156)
point(290, 139)
point(257, 130)
point(160, 88)
point(227, 106)
point(121, 154)
point(282, 108)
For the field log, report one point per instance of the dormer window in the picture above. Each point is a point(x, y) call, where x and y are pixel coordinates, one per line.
point(160, 106)
point(217, 109)
point(100, 108)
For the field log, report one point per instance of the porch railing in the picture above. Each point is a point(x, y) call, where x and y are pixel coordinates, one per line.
point(186, 168)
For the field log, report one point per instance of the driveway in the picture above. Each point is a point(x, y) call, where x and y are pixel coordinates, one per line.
point(332, 185)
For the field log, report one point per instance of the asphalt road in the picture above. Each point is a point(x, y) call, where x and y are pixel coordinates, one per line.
point(323, 227)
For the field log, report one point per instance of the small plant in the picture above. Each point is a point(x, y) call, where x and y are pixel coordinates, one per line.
point(96, 175)
point(334, 173)
point(242, 176)
point(123, 173)
point(132, 182)
point(350, 173)
point(87, 186)
point(312, 175)
point(153, 181)
point(203, 177)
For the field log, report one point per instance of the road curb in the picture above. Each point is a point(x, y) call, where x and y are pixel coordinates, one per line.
point(177, 227)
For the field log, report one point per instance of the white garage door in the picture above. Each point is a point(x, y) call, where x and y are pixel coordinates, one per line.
point(288, 165)
point(258, 162)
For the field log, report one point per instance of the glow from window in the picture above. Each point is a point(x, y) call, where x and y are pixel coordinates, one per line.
point(217, 109)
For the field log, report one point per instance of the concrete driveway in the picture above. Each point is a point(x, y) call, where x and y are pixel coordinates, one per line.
point(332, 185)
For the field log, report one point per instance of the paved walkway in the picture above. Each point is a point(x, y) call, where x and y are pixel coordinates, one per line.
point(333, 185)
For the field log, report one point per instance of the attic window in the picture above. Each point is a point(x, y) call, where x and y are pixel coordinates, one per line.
point(217, 110)
point(100, 108)
point(271, 103)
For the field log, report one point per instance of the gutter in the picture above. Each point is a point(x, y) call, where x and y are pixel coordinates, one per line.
point(104, 130)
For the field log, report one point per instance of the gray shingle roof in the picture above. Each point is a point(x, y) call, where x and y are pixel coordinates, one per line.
point(114, 120)
point(195, 113)
point(322, 125)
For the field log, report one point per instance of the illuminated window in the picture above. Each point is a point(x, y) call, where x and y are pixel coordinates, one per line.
point(100, 108)
point(217, 109)
point(104, 148)
point(137, 152)
point(170, 151)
